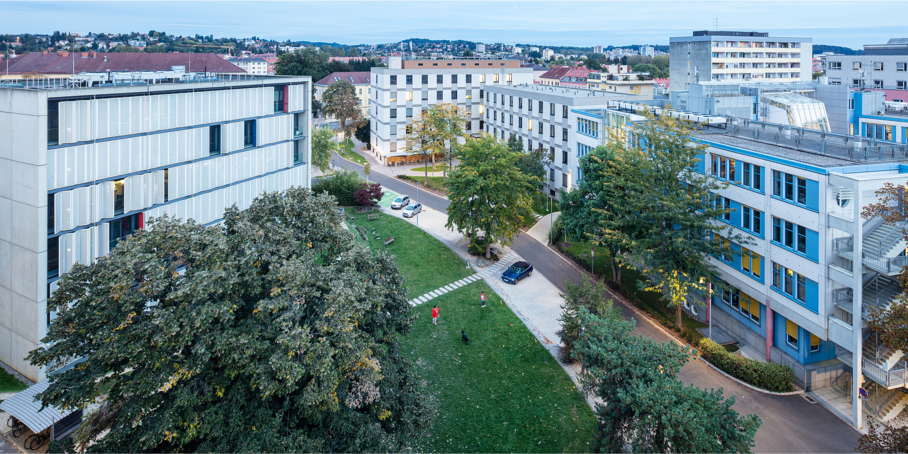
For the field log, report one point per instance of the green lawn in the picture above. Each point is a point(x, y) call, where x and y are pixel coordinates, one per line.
point(425, 262)
point(9, 384)
point(629, 278)
point(348, 153)
point(436, 168)
point(501, 393)
point(436, 183)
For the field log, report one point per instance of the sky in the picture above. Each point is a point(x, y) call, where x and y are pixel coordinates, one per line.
point(851, 24)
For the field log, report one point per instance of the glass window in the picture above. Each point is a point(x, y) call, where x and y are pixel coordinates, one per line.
point(453, 94)
point(745, 218)
point(715, 167)
point(802, 191)
point(722, 167)
point(736, 299)
point(167, 184)
point(789, 281)
point(758, 222)
point(248, 133)
point(776, 229)
point(758, 178)
point(789, 187)
point(122, 228)
point(469, 78)
point(409, 80)
point(776, 275)
point(214, 140)
point(393, 113)
point(814, 344)
point(802, 288)
point(409, 112)
point(745, 178)
point(777, 183)
point(425, 95)
point(439, 95)
point(731, 169)
point(727, 207)
point(53, 122)
point(53, 257)
point(453, 78)
point(564, 134)
point(439, 78)
point(802, 239)
point(297, 152)
point(50, 213)
point(279, 99)
point(540, 106)
point(789, 234)
point(119, 201)
point(791, 333)
point(393, 80)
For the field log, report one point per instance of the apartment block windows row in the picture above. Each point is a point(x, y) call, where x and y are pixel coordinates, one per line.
point(588, 127)
point(752, 176)
point(796, 238)
point(796, 286)
point(583, 149)
point(740, 302)
point(752, 220)
point(790, 187)
point(740, 258)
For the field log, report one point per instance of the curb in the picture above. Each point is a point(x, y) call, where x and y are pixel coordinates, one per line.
point(670, 336)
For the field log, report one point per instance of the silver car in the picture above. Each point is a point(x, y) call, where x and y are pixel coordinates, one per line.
point(400, 202)
point(412, 210)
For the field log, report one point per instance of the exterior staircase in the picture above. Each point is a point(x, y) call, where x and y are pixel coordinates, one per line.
point(884, 403)
point(880, 354)
point(882, 249)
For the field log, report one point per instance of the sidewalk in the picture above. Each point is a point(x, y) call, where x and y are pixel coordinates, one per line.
point(543, 226)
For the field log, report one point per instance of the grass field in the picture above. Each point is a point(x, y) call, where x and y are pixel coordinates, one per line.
point(425, 262)
point(436, 168)
point(347, 152)
point(436, 183)
point(629, 278)
point(502, 393)
point(9, 384)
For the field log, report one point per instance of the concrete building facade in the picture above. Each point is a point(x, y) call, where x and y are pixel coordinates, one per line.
point(401, 91)
point(882, 67)
point(362, 86)
point(562, 120)
point(81, 168)
point(725, 55)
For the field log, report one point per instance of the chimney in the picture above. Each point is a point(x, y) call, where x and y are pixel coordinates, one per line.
point(63, 53)
point(44, 52)
point(93, 54)
point(84, 54)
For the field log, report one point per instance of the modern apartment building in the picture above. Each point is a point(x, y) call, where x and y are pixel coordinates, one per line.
point(882, 67)
point(401, 91)
point(814, 268)
point(729, 55)
point(361, 85)
point(637, 84)
point(252, 65)
point(568, 122)
point(83, 166)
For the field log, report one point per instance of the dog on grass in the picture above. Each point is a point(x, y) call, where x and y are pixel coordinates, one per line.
point(464, 338)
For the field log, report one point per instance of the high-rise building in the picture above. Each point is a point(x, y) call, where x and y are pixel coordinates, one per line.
point(647, 51)
point(547, 53)
point(882, 67)
point(729, 55)
point(480, 48)
point(405, 88)
point(84, 165)
point(597, 49)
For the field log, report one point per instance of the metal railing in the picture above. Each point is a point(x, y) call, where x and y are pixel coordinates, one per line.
point(844, 244)
point(875, 260)
point(842, 295)
point(888, 378)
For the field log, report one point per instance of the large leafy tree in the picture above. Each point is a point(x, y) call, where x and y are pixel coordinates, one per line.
point(587, 294)
point(270, 332)
point(339, 100)
point(323, 148)
point(364, 133)
point(675, 227)
point(303, 62)
point(646, 408)
point(435, 132)
point(488, 193)
point(883, 438)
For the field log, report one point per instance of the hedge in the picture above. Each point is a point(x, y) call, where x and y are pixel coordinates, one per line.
point(769, 376)
point(341, 185)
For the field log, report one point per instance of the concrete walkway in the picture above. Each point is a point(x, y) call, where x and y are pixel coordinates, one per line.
point(541, 230)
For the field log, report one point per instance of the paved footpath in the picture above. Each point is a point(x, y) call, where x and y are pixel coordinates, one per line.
point(790, 423)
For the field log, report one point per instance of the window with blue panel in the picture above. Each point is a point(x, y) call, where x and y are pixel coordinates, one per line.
point(800, 343)
point(583, 150)
point(588, 127)
point(796, 238)
point(796, 190)
point(700, 167)
point(745, 309)
point(796, 287)
point(742, 259)
point(741, 216)
point(737, 172)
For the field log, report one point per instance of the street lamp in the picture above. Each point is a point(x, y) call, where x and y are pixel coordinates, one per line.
point(417, 204)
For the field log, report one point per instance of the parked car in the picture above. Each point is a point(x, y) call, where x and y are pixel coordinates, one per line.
point(400, 202)
point(516, 272)
point(412, 210)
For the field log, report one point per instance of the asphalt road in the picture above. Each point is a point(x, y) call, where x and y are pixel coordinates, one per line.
point(790, 423)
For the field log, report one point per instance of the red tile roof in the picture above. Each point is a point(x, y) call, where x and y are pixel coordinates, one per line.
point(556, 73)
point(663, 82)
point(580, 73)
point(354, 77)
point(56, 63)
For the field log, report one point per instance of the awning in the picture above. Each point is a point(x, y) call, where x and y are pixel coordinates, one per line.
point(28, 410)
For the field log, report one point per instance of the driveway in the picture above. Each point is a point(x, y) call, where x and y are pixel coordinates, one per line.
point(790, 423)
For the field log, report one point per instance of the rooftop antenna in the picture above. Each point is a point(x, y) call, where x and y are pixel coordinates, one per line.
point(717, 23)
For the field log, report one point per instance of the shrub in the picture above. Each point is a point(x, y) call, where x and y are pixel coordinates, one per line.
point(769, 376)
point(341, 185)
point(557, 230)
point(478, 247)
point(368, 194)
point(362, 232)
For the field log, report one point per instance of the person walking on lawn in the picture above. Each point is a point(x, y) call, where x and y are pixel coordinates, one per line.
point(483, 299)
point(434, 315)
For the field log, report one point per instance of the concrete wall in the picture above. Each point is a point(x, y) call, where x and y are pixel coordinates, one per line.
point(889, 76)
point(835, 97)
point(23, 221)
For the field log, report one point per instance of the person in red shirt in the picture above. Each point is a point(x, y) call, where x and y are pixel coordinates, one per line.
point(434, 315)
point(483, 299)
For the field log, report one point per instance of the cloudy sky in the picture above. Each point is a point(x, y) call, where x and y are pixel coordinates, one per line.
point(617, 23)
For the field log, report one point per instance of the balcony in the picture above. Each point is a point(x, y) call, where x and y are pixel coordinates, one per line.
point(897, 377)
point(871, 256)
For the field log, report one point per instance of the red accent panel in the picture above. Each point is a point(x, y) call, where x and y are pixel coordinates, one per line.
point(770, 324)
point(286, 98)
point(141, 221)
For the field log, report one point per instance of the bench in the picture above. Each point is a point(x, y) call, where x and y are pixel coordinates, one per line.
point(389, 240)
point(372, 217)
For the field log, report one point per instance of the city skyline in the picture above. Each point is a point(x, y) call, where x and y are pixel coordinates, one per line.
point(544, 23)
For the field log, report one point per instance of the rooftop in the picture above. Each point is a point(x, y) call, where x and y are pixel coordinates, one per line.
point(807, 146)
point(354, 77)
point(104, 80)
point(565, 91)
point(62, 63)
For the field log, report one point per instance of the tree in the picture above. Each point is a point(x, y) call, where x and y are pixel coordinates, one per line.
point(488, 192)
point(340, 101)
point(271, 332)
point(368, 194)
point(336, 66)
point(675, 229)
point(467, 53)
point(881, 437)
point(587, 294)
point(647, 409)
point(316, 107)
point(535, 54)
point(533, 164)
point(436, 132)
point(592, 63)
point(363, 133)
point(323, 148)
point(303, 62)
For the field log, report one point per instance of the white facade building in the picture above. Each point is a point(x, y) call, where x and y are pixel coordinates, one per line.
point(480, 48)
point(724, 55)
point(647, 51)
point(883, 66)
point(558, 119)
point(82, 167)
point(256, 66)
point(547, 53)
point(401, 91)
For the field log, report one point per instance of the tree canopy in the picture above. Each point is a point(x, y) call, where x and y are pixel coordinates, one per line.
point(436, 131)
point(323, 148)
point(273, 331)
point(340, 101)
point(488, 192)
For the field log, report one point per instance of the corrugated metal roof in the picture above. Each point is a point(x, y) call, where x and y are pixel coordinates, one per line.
point(26, 409)
point(54, 63)
point(355, 77)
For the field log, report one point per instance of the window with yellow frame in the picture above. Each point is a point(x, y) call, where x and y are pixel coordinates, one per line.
point(791, 334)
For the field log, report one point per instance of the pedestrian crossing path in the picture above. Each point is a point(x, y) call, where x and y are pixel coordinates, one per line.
point(494, 270)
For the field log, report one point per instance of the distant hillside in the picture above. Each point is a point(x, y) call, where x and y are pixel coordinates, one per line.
point(820, 48)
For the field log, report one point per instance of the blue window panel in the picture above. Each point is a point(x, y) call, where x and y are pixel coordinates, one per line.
point(813, 195)
point(739, 168)
point(813, 296)
point(864, 129)
point(905, 135)
point(743, 319)
point(780, 338)
point(735, 214)
point(827, 349)
point(813, 245)
point(701, 165)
